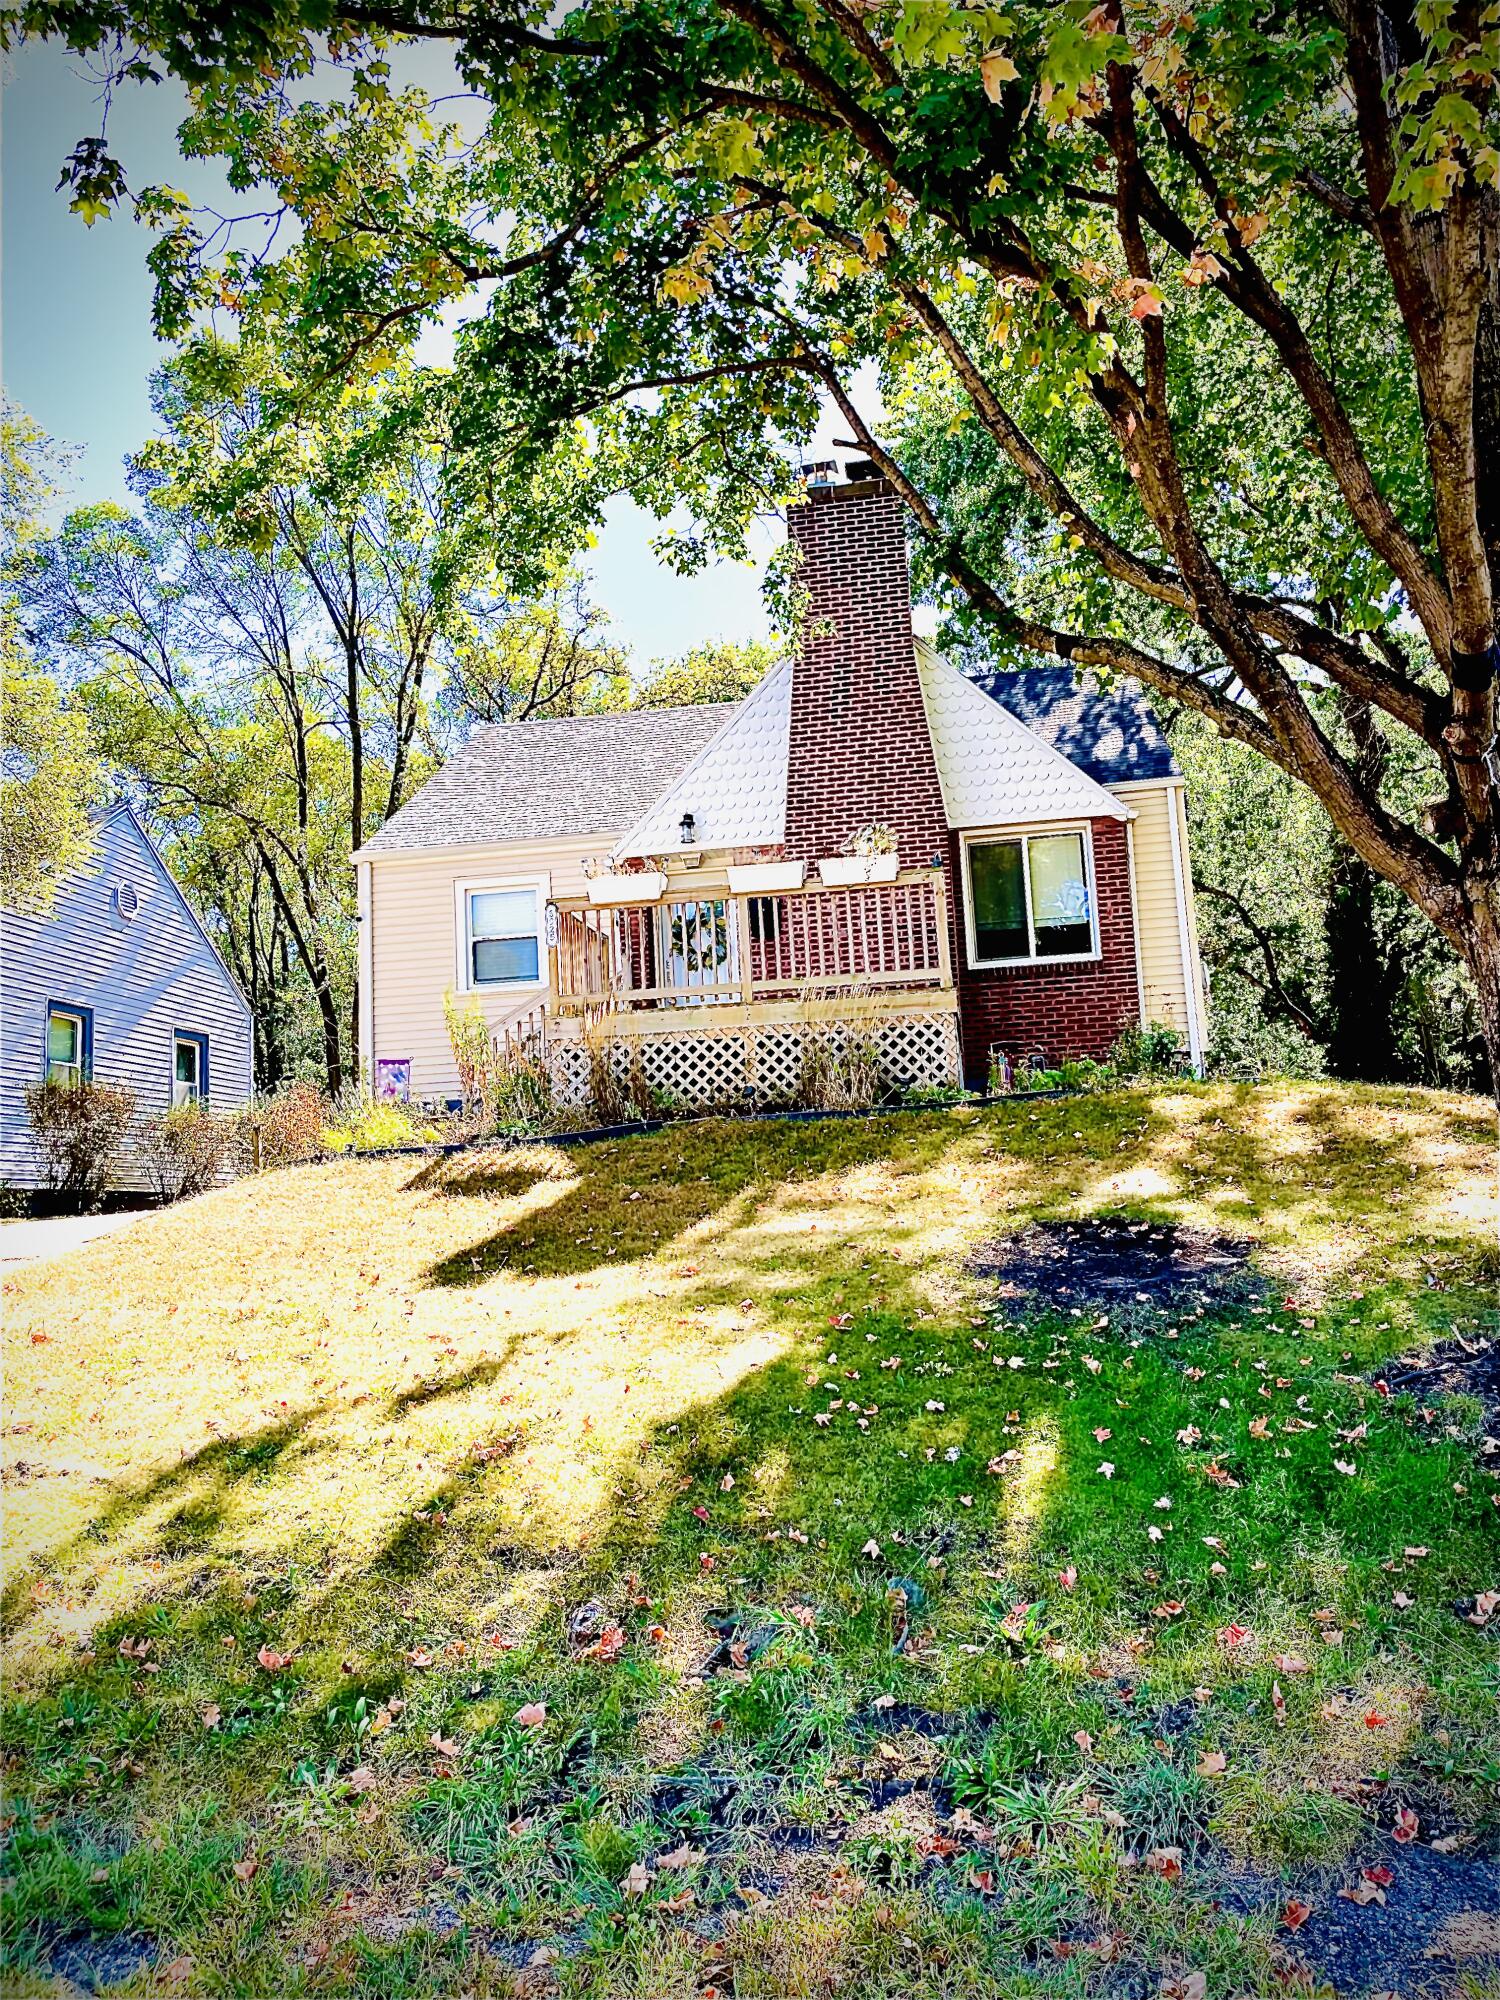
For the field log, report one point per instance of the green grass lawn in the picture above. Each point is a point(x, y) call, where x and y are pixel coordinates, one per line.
point(918, 1645)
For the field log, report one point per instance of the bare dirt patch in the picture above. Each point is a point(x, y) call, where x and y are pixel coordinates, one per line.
point(1110, 1263)
point(1457, 1367)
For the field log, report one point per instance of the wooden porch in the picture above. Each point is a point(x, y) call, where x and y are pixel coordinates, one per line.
point(705, 956)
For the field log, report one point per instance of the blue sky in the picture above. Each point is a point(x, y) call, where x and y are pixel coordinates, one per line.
point(78, 349)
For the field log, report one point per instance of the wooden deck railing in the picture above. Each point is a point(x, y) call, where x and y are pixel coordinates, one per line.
point(705, 945)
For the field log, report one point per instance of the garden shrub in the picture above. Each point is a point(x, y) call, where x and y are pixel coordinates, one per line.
point(506, 1077)
point(79, 1130)
point(362, 1124)
point(280, 1129)
point(188, 1149)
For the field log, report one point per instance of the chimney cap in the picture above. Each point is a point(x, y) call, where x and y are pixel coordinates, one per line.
point(820, 471)
point(857, 469)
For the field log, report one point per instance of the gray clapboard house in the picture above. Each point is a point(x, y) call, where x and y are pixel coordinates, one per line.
point(121, 982)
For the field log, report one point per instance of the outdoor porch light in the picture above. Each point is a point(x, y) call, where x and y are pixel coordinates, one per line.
point(689, 829)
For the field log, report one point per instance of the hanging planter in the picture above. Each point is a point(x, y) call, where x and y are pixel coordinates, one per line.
point(765, 878)
point(626, 888)
point(843, 871)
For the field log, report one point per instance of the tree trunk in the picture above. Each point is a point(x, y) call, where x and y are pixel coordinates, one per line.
point(1362, 981)
point(1481, 952)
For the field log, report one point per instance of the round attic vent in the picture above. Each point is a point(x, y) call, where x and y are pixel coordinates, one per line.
point(127, 902)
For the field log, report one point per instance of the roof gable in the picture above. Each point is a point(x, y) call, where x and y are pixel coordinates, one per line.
point(735, 787)
point(993, 769)
point(153, 855)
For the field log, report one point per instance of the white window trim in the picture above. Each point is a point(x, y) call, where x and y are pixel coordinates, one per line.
point(538, 885)
point(74, 1069)
point(183, 1093)
point(988, 836)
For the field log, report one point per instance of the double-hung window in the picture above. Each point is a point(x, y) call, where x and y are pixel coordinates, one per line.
point(189, 1067)
point(1030, 898)
point(67, 1044)
point(501, 935)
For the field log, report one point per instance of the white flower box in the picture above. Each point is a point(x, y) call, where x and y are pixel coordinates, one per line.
point(843, 871)
point(626, 888)
point(764, 878)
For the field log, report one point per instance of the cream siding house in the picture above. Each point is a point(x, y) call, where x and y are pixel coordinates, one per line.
point(980, 870)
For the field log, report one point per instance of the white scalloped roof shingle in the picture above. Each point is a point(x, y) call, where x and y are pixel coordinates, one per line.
point(735, 787)
point(993, 770)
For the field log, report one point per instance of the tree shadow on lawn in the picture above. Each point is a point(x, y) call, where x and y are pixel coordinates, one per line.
point(783, 1508)
point(1317, 1161)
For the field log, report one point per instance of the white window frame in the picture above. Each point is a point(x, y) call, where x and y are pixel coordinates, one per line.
point(75, 1071)
point(992, 836)
point(538, 887)
point(183, 1093)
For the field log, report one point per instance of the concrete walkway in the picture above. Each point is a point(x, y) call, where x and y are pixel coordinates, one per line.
point(30, 1241)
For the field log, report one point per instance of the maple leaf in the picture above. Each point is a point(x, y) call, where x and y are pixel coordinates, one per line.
point(1067, 1577)
point(996, 69)
point(1169, 1608)
point(608, 1646)
point(178, 1971)
point(1290, 1663)
point(1084, 1741)
point(1278, 1704)
point(1296, 1913)
point(1407, 1826)
point(246, 1870)
point(1211, 1763)
point(361, 1779)
point(1231, 1636)
point(681, 1857)
point(884, 1701)
point(1107, 1470)
point(271, 1660)
point(871, 1548)
point(726, 1484)
point(637, 1879)
point(1102, 1433)
point(1165, 1861)
point(533, 1715)
point(211, 1716)
point(445, 1746)
point(420, 1658)
point(1186, 1986)
point(1362, 1892)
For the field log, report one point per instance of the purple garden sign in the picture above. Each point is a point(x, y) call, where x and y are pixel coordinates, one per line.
point(393, 1079)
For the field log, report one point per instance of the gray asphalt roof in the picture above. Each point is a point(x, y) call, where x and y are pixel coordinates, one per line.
point(598, 773)
point(541, 780)
point(1110, 732)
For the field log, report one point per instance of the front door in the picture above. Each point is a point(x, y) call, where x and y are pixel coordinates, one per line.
point(700, 949)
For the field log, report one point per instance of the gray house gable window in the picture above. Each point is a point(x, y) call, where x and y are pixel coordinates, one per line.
point(69, 1054)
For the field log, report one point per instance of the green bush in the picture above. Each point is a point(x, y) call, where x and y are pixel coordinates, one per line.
point(188, 1149)
point(79, 1130)
point(361, 1124)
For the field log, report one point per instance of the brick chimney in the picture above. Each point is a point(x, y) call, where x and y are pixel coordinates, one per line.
point(859, 753)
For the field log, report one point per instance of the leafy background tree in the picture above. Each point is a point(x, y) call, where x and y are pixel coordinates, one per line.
point(1186, 327)
point(51, 780)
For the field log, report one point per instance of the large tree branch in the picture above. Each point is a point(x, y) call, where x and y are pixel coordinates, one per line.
point(1246, 286)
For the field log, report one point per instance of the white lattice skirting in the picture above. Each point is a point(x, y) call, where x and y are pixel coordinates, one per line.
point(758, 1066)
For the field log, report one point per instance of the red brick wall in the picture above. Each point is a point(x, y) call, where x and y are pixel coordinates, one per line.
point(859, 753)
point(1061, 1010)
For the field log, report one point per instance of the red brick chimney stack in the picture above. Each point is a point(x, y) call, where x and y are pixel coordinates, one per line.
point(859, 751)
